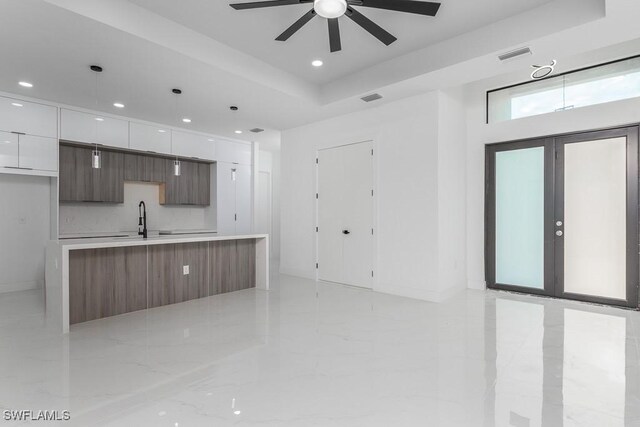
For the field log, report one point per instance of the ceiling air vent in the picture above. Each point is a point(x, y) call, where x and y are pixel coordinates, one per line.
point(514, 53)
point(256, 130)
point(371, 97)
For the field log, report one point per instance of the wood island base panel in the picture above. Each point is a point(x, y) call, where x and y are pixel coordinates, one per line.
point(89, 280)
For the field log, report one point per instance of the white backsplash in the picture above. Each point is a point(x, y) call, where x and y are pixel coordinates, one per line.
point(101, 217)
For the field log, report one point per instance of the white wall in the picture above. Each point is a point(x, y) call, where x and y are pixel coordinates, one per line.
point(452, 188)
point(24, 231)
point(269, 161)
point(100, 217)
point(408, 180)
point(479, 133)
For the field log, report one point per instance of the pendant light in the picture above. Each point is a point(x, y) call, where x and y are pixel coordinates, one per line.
point(96, 156)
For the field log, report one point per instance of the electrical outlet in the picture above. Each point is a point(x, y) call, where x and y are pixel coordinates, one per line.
point(185, 270)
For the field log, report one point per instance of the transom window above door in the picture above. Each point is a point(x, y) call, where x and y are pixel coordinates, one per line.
point(609, 82)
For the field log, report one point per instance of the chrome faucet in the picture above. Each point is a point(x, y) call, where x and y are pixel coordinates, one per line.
point(142, 220)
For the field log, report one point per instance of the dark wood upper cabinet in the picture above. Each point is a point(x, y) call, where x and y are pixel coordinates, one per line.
point(192, 187)
point(79, 182)
point(203, 197)
point(144, 168)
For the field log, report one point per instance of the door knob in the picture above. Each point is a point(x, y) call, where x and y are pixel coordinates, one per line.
point(346, 232)
point(559, 233)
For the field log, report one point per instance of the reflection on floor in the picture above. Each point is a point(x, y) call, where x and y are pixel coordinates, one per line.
point(325, 355)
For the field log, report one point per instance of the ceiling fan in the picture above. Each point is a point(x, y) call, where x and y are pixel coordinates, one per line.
point(333, 9)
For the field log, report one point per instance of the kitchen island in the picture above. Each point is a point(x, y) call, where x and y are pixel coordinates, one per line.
point(88, 279)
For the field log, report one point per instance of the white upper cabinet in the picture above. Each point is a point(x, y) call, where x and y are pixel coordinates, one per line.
point(233, 152)
point(37, 152)
point(93, 129)
point(191, 145)
point(28, 117)
point(9, 150)
point(149, 138)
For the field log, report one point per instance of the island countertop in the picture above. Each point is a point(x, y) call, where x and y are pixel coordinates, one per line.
point(112, 242)
point(58, 274)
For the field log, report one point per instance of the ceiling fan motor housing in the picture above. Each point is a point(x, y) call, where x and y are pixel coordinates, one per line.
point(330, 8)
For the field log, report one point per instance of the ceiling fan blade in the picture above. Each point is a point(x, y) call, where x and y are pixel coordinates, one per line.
point(334, 35)
point(410, 6)
point(296, 26)
point(366, 23)
point(258, 4)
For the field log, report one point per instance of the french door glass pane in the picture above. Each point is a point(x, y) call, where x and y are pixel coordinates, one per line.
point(519, 190)
point(595, 218)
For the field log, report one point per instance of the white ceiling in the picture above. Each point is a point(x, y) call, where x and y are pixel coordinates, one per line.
point(231, 60)
point(253, 31)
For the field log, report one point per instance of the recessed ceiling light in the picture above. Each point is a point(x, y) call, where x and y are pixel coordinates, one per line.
point(25, 84)
point(161, 130)
point(317, 63)
point(186, 120)
point(15, 104)
point(118, 105)
point(100, 119)
point(238, 131)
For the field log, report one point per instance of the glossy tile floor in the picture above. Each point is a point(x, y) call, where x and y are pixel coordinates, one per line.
point(307, 354)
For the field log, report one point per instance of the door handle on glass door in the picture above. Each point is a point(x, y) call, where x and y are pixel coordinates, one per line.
point(346, 232)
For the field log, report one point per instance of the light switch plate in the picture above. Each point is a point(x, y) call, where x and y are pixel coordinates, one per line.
point(185, 270)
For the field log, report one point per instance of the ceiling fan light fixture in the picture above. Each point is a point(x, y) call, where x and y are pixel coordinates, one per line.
point(330, 8)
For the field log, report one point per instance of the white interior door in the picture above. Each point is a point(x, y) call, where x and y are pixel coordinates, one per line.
point(263, 210)
point(345, 214)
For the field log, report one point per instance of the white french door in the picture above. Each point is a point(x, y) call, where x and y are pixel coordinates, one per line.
point(345, 214)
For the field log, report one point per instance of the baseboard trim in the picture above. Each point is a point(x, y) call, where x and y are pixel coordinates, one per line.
point(415, 293)
point(297, 272)
point(21, 286)
point(476, 284)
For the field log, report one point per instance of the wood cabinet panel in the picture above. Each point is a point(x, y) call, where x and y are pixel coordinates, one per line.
point(170, 185)
point(192, 187)
point(106, 282)
point(110, 182)
point(75, 175)
point(167, 282)
point(142, 168)
point(232, 265)
point(203, 197)
point(79, 182)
